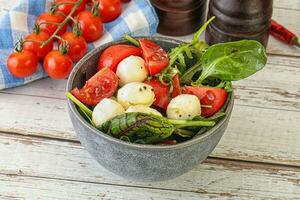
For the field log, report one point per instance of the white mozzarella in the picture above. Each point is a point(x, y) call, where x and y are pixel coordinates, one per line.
point(143, 109)
point(105, 110)
point(135, 93)
point(131, 69)
point(184, 106)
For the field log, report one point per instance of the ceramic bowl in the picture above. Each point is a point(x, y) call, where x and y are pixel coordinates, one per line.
point(136, 161)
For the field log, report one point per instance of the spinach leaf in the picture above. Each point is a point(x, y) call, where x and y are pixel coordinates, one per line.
point(232, 61)
point(139, 127)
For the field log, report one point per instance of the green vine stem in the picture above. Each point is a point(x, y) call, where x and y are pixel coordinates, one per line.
point(131, 40)
point(61, 25)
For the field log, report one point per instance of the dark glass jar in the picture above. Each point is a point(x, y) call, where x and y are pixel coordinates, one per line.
point(177, 17)
point(239, 19)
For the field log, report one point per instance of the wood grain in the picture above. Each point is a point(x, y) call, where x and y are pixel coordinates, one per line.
point(68, 163)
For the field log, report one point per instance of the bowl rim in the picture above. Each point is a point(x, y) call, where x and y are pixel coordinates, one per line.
point(73, 110)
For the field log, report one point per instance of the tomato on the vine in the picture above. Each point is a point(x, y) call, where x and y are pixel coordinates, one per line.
point(109, 9)
point(211, 99)
point(57, 64)
point(114, 54)
point(33, 43)
point(66, 6)
point(102, 85)
point(156, 59)
point(49, 21)
point(22, 63)
point(91, 25)
point(77, 45)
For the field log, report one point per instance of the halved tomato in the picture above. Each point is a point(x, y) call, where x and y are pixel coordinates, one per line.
point(156, 59)
point(102, 85)
point(176, 86)
point(162, 92)
point(162, 96)
point(211, 98)
point(114, 54)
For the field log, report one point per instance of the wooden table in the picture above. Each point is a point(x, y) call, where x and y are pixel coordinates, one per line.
point(257, 158)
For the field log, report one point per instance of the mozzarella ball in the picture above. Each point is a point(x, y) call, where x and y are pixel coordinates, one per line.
point(131, 69)
point(143, 109)
point(105, 110)
point(135, 93)
point(184, 106)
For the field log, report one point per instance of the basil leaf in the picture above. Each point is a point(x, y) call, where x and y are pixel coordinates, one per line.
point(232, 61)
point(139, 127)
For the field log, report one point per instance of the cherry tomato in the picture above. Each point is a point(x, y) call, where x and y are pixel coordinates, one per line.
point(35, 47)
point(22, 64)
point(162, 91)
point(102, 85)
point(91, 26)
point(49, 17)
point(57, 65)
point(110, 10)
point(77, 46)
point(156, 59)
point(208, 96)
point(114, 54)
point(67, 8)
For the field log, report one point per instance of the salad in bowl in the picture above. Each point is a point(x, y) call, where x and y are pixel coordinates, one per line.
point(142, 94)
point(152, 108)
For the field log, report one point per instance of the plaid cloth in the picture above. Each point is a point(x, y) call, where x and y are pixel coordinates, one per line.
point(138, 18)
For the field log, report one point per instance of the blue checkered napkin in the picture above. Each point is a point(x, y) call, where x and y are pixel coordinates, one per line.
point(138, 17)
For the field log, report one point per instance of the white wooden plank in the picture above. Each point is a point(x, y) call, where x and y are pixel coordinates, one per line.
point(36, 157)
point(287, 4)
point(32, 188)
point(35, 116)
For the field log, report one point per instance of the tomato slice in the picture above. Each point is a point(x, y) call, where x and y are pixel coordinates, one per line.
point(114, 54)
point(102, 85)
point(156, 59)
point(162, 92)
point(208, 96)
point(176, 85)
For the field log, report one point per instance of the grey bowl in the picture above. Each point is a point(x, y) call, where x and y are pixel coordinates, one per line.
point(136, 161)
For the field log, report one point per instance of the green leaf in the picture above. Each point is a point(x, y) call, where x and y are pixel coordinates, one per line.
point(186, 78)
point(139, 127)
point(191, 123)
point(201, 30)
point(216, 117)
point(232, 61)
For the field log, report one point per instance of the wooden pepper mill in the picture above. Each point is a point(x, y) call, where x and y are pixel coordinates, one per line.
point(178, 17)
point(239, 19)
